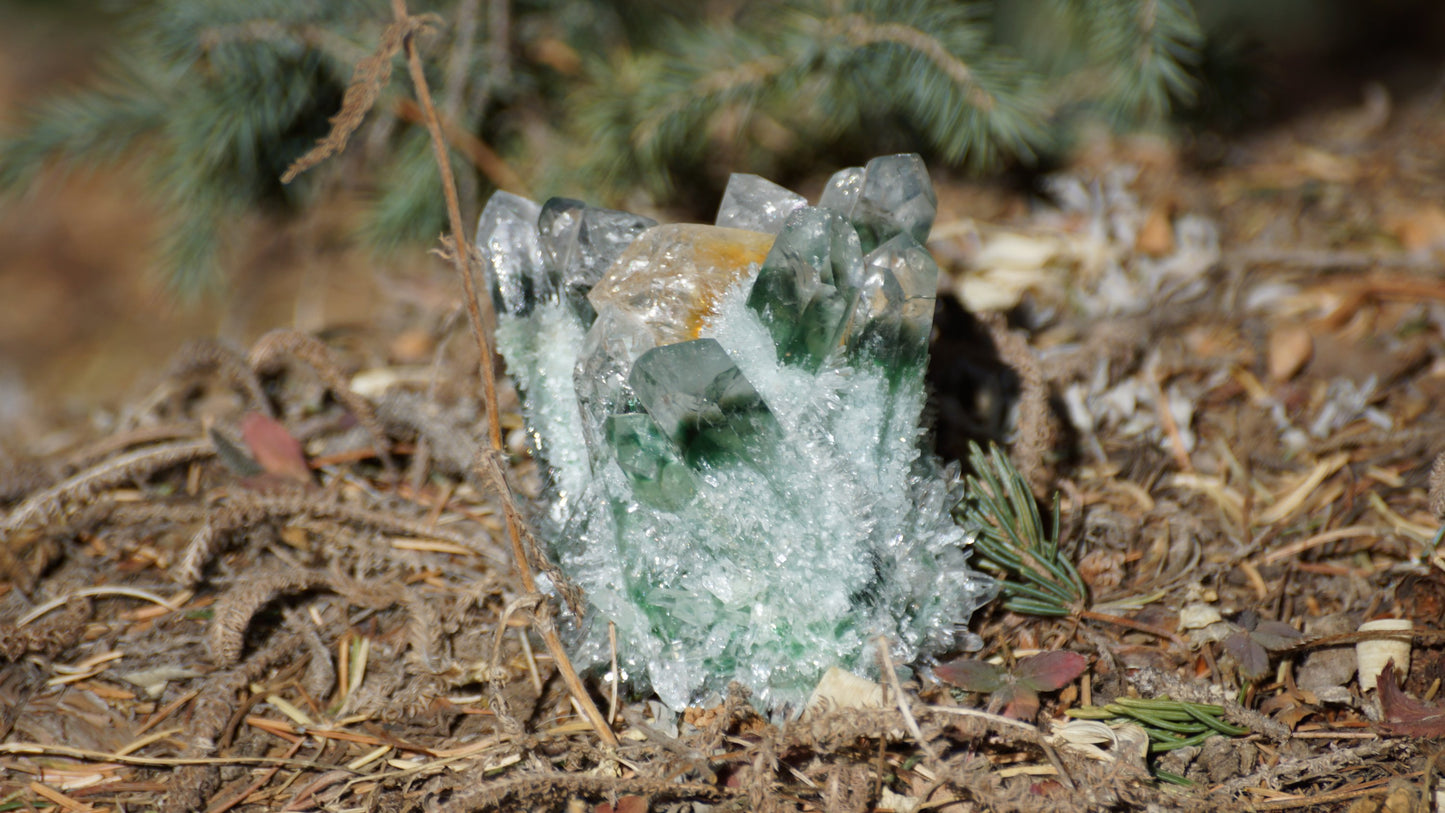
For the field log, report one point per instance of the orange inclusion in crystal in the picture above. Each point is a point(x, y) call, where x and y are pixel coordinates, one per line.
point(672, 276)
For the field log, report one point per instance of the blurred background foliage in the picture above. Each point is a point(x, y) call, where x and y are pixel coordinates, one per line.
point(637, 103)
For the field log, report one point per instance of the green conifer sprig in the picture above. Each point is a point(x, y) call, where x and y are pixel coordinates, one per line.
point(1012, 540)
point(807, 74)
point(215, 98)
point(1147, 49)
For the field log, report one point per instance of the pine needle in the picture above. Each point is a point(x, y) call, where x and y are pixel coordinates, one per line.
point(1013, 541)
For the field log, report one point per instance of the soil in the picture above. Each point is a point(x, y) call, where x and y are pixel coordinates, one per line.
point(274, 578)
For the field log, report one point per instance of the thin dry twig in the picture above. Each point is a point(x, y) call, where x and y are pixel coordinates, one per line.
point(477, 151)
point(891, 675)
point(480, 329)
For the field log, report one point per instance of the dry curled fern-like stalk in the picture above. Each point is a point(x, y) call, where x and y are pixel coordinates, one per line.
point(454, 444)
point(206, 356)
point(274, 349)
point(208, 730)
point(84, 485)
point(48, 638)
point(503, 794)
point(367, 82)
point(243, 509)
point(235, 609)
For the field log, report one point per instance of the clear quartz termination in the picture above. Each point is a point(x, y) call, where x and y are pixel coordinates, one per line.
point(729, 416)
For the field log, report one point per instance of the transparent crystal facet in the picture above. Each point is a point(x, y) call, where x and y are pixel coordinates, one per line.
point(701, 400)
point(651, 461)
point(842, 191)
point(756, 204)
point(807, 285)
point(895, 313)
point(897, 198)
point(613, 343)
point(508, 241)
point(579, 243)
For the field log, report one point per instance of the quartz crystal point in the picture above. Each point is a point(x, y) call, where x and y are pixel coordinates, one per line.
point(807, 285)
point(891, 195)
point(579, 243)
point(757, 204)
point(512, 251)
point(731, 425)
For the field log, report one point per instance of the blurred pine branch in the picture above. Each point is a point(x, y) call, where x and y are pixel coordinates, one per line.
point(215, 98)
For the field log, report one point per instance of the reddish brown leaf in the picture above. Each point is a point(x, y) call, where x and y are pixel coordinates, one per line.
point(1404, 715)
point(275, 448)
point(1252, 657)
point(972, 675)
point(1019, 702)
point(1048, 671)
point(625, 804)
point(1275, 635)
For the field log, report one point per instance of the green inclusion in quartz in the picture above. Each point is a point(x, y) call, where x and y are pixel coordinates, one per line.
point(701, 400)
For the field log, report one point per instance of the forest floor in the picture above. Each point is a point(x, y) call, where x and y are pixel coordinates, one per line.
point(273, 579)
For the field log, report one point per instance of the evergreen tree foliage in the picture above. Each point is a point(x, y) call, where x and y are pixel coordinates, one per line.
point(215, 98)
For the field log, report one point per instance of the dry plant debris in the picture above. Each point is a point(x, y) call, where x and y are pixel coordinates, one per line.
point(178, 634)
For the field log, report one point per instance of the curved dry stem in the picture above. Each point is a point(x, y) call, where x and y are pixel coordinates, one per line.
point(481, 329)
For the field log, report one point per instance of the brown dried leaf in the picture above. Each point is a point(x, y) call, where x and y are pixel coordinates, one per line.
point(1404, 715)
point(1290, 349)
point(1156, 236)
point(1422, 229)
point(275, 448)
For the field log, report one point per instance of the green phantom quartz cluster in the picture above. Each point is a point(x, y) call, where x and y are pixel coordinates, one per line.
point(729, 416)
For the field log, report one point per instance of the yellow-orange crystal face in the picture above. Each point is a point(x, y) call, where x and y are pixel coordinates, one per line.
point(672, 276)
